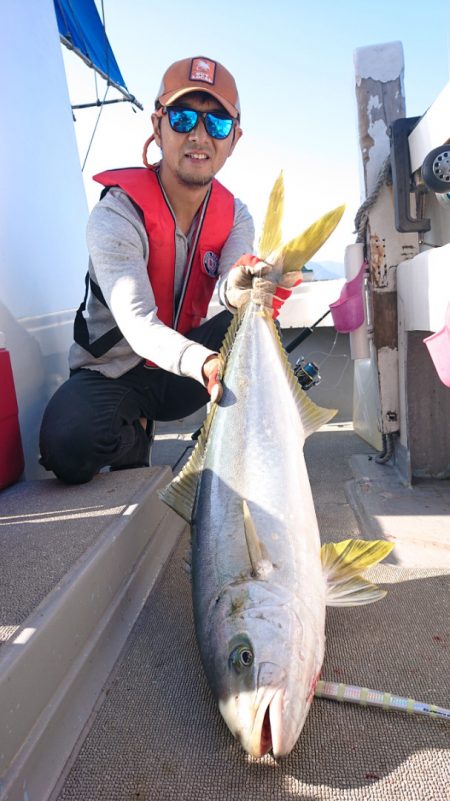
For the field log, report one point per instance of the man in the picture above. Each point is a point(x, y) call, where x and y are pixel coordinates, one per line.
point(159, 240)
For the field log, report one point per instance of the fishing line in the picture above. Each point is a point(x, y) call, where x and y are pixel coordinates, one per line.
point(347, 362)
point(336, 356)
point(327, 356)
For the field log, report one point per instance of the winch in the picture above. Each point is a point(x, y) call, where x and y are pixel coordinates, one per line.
point(307, 373)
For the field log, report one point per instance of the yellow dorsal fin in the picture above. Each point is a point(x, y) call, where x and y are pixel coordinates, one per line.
point(298, 251)
point(343, 561)
point(270, 240)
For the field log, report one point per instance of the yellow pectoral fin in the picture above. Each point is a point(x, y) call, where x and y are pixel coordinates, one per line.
point(356, 591)
point(341, 563)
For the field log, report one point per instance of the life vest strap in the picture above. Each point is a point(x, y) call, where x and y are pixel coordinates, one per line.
point(104, 343)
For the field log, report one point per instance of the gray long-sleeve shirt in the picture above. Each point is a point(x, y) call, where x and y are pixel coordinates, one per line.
point(119, 249)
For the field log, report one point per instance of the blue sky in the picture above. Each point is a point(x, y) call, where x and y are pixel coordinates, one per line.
point(293, 63)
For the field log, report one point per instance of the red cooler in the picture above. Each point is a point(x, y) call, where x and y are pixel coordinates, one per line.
point(11, 453)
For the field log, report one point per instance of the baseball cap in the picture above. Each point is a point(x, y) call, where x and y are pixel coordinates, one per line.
point(200, 74)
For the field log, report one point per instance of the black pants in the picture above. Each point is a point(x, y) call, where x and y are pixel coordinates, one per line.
point(93, 421)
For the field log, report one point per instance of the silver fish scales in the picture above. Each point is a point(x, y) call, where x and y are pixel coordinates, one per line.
point(260, 582)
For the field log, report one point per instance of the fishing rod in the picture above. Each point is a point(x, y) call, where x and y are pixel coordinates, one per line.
point(364, 697)
point(304, 334)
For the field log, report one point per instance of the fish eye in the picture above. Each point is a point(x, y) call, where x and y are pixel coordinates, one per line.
point(241, 658)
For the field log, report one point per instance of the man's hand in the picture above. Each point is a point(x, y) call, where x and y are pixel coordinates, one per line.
point(245, 280)
point(210, 371)
point(240, 279)
point(283, 290)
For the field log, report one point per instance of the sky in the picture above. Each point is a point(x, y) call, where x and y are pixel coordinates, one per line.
point(294, 66)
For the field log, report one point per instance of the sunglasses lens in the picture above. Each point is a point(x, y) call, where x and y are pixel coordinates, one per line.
point(218, 127)
point(182, 120)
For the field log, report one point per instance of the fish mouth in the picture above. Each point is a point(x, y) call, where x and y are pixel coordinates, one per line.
point(261, 721)
point(255, 719)
point(266, 733)
point(267, 729)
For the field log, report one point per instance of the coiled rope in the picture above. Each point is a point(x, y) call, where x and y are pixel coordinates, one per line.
point(362, 215)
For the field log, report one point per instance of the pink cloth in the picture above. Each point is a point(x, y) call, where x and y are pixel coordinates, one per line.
point(348, 311)
point(438, 345)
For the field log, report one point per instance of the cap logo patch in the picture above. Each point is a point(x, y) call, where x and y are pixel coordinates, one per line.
point(211, 263)
point(203, 70)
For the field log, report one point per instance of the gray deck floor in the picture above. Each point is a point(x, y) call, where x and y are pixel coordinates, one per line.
point(45, 527)
point(157, 734)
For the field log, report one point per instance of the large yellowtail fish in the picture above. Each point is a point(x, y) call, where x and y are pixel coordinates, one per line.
point(260, 584)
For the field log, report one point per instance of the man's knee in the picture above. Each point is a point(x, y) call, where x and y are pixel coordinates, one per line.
point(65, 452)
point(65, 442)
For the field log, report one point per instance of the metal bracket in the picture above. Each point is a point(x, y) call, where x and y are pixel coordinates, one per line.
point(401, 177)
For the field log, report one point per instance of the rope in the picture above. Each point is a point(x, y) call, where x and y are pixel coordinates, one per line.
point(105, 38)
point(95, 128)
point(362, 215)
point(80, 30)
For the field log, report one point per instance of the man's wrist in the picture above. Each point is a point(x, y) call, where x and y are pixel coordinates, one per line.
point(192, 360)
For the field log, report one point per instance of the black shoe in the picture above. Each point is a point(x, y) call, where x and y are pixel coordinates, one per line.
point(146, 460)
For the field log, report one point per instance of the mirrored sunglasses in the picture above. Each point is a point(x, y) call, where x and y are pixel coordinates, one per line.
point(183, 120)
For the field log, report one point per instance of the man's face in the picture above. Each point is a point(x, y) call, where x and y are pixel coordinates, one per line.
point(193, 158)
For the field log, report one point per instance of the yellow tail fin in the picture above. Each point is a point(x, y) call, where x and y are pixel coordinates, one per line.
point(270, 241)
point(299, 250)
point(294, 255)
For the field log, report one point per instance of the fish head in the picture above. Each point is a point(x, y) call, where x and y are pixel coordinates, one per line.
point(265, 666)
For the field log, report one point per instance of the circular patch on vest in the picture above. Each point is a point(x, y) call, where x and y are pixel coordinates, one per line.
point(211, 263)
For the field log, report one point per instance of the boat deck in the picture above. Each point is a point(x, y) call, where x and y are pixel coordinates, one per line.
point(157, 733)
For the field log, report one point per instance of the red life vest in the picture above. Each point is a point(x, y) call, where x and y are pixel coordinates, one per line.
point(214, 225)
